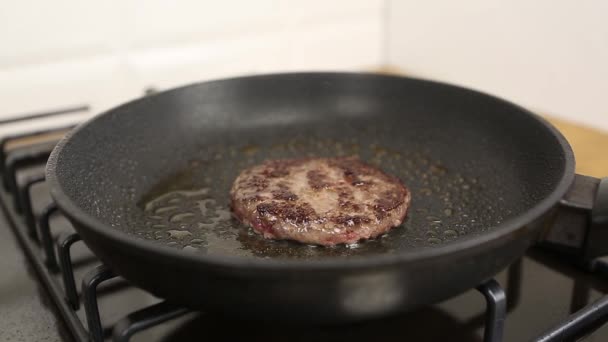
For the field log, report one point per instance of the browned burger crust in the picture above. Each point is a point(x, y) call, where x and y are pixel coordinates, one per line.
point(323, 201)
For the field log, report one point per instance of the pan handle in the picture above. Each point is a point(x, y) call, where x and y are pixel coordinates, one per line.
point(580, 224)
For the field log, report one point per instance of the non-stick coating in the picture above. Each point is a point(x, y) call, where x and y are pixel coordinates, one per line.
point(471, 161)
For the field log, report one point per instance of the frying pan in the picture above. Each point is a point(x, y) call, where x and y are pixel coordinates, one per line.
point(146, 186)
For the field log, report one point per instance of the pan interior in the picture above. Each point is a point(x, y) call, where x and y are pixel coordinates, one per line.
point(161, 168)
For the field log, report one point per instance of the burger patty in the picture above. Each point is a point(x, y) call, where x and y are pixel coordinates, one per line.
point(321, 201)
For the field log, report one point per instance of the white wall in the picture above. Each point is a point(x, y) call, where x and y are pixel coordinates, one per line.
point(548, 55)
point(65, 52)
point(551, 56)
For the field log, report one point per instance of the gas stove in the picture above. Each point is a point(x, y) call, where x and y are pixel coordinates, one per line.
point(55, 289)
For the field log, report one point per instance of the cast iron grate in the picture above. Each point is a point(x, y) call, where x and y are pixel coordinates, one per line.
point(35, 237)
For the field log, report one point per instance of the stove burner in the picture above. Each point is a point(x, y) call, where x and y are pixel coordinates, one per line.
point(55, 266)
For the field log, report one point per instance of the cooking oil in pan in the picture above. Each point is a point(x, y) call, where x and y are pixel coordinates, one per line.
point(190, 210)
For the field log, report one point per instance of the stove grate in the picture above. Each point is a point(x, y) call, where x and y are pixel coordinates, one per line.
point(36, 239)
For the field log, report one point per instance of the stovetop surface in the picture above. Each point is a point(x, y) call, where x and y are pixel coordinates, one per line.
point(542, 290)
point(26, 313)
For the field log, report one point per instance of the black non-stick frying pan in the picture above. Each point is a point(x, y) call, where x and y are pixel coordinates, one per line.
point(146, 185)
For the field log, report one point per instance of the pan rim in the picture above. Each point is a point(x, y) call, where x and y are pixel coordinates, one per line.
point(466, 244)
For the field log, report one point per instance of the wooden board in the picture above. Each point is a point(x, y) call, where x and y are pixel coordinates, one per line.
point(590, 147)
